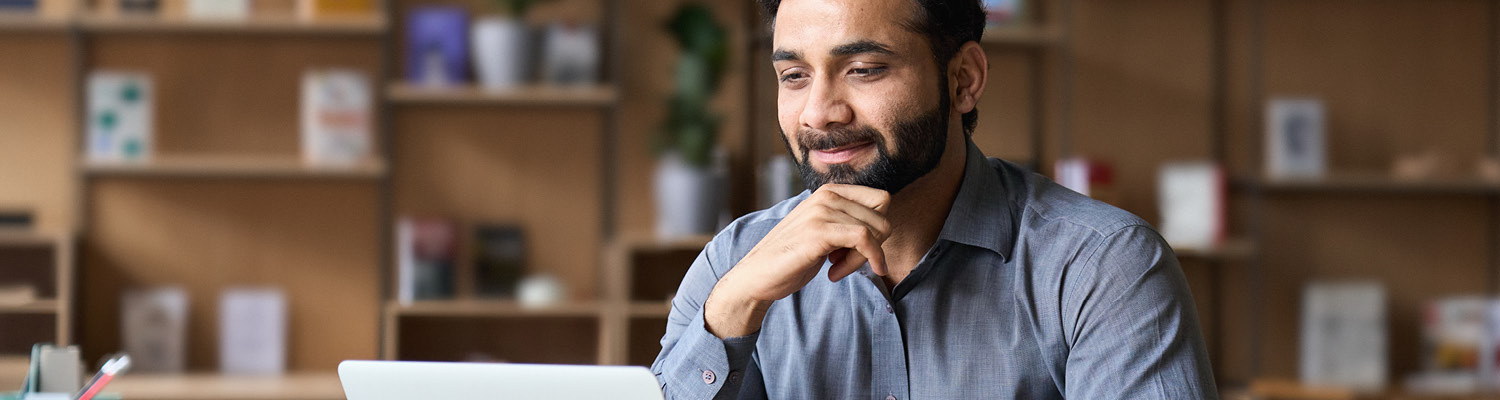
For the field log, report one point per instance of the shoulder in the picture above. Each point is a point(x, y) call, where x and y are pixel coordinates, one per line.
point(1075, 228)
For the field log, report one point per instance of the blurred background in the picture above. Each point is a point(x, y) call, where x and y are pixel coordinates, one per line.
point(243, 193)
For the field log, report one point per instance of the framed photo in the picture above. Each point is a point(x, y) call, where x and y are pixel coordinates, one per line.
point(1296, 138)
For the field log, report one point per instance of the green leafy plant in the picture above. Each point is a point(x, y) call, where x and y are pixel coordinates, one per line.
point(691, 129)
point(516, 8)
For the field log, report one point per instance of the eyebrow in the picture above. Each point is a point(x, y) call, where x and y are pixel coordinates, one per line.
point(843, 50)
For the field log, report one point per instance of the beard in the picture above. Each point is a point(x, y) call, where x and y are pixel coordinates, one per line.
point(920, 143)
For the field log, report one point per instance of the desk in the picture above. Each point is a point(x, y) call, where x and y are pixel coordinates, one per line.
point(210, 386)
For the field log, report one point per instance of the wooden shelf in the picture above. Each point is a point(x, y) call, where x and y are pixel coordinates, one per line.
point(233, 167)
point(1233, 248)
point(373, 25)
point(1276, 389)
point(492, 308)
point(1374, 182)
point(533, 95)
point(12, 237)
point(1023, 36)
point(205, 386)
point(658, 309)
point(25, 23)
point(35, 307)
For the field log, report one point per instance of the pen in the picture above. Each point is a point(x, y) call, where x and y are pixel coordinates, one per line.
point(114, 366)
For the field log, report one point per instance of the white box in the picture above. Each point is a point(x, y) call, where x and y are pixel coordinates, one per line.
point(1344, 335)
point(218, 9)
point(337, 119)
point(252, 331)
point(120, 119)
point(1296, 138)
point(1191, 195)
point(154, 329)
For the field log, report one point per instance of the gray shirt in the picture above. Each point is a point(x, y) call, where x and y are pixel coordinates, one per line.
point(1032, 291)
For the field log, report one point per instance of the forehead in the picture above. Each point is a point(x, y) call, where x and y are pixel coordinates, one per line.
point(803, 25)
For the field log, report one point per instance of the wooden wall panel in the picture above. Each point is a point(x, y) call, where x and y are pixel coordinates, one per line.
point(538, 167)
point(1142, 90)
point(315, 240)
point(227, 93)
point(1420, 247)
point(1004, 128)
point(37, 138)
point(1398, 77)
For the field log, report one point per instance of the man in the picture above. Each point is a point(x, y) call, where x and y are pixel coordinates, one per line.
point(915, 267)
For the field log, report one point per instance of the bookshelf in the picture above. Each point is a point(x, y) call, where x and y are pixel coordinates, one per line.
point(258, 25)
point(45, 263)
point(235, 167)
point(532, 95)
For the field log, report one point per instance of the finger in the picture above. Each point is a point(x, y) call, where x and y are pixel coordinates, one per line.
point(876, 237)
point(874, 199)
point(863, 241)
point(850, 262)
point(871, 218)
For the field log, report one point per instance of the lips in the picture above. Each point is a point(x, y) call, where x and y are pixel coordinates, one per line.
point(841, 154)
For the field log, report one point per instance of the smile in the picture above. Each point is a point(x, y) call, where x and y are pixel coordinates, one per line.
point(841, 154)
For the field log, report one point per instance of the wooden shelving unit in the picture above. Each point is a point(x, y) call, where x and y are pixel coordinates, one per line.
point(46, 262)
point(370, 26)
point(235, 167)
point(11, 23)
point(532, 95)
point(493, 309)
point(1376, 183)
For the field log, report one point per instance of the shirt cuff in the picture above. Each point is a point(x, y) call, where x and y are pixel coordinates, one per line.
point(706, 365)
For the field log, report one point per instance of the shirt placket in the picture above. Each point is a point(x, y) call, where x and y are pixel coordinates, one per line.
point(888, 361)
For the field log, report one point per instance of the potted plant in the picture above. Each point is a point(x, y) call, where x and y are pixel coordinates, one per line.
point(687, 190)
point(502, 45)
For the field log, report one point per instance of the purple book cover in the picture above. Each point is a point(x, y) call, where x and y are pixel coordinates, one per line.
point(437, 44)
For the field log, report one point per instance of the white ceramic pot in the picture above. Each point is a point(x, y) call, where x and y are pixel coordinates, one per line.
point(687, 200)
point(500, 52)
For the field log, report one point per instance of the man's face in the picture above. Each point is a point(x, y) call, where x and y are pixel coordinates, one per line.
point(860, 99)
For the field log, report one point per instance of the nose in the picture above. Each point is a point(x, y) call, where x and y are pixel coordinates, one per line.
point(826, 106)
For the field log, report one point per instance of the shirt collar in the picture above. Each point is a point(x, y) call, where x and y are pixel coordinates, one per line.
point(981, 214)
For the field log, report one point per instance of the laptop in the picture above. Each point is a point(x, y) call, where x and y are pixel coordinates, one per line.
point(404, 380)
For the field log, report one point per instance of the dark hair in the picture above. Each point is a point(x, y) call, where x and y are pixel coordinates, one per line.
point(948, 24)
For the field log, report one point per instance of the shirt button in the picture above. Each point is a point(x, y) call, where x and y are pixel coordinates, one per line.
point(708, 377)
point(734, 377)
point(889, 310)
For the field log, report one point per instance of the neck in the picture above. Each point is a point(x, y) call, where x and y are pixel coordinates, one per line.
point(918, 211)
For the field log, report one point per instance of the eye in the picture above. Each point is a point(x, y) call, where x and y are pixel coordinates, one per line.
point(867, 72)
point(792, 76)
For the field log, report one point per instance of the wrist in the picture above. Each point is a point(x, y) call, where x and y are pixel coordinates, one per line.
point(729, 313)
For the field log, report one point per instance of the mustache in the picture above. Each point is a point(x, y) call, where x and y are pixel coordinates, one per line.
point(832, 139)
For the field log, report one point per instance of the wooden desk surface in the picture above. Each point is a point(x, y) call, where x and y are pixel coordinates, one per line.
point(211, 386)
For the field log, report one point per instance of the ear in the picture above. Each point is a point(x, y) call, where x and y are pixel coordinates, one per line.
point(968, 72)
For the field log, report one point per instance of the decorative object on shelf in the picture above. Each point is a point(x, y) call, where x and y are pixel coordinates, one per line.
point(18, 219)
point(1488, 168)
point(337, 117)
point(502, 45)
point(17, 294)
point(688, 191)
point(570, 54)
point(1002, 13)
point(540, 290)
point(1458, 346)
point(154, 328)
point(1296, 138)
point(1093, 178)
point(120, 116)
point(18, 6)
point(1344, 335)
point(499, 259)
point(425, 254)
point(252, 331)
point(1192, 196)
point(779, 180)
point(223, 10)
point(1424, 165)
point(437, 46)
point(140, 7)
point(60, 369)
point(312, 10)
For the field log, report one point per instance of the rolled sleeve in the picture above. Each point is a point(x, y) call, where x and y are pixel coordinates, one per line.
point(1134, 327)
point(695, 364)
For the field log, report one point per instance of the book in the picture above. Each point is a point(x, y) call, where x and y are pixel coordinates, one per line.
point(335, 9)
point(437, 46)
point(337, 117)
point(120, 116)
point(154, 329)
point(426, 249)
point(1192, 197)
point(252, 331)
point(230, 10)
point(499, 259)
point(1093, 178)
point(1344, 335)
point(1296, 138)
